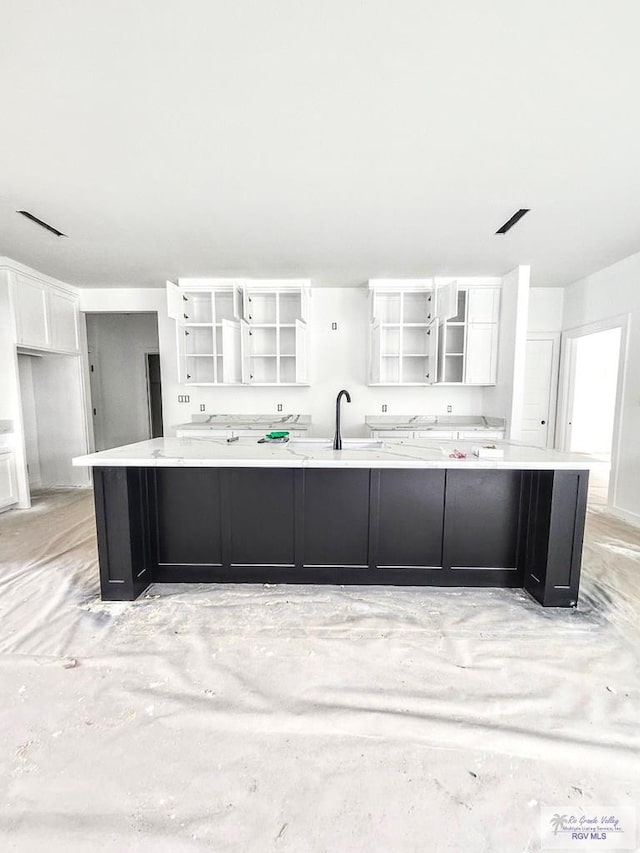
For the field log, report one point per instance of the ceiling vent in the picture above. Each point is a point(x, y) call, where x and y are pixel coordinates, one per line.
point(41, 223)
point(517, 216)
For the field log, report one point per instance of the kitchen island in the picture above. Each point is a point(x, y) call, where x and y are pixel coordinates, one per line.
point(393, 512)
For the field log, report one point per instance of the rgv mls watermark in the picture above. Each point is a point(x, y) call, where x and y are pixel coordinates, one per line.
point(590, 828)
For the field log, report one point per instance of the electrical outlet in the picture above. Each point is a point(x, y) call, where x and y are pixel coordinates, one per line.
point(279, 407)
point(202, 407)
point(384, 407)
point(183, 398)
point(334, 327)
point(449, 409)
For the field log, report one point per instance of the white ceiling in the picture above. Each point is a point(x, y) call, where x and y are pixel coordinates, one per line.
point(336, 139)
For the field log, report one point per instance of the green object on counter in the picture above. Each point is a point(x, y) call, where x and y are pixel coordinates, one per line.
point(277, 437)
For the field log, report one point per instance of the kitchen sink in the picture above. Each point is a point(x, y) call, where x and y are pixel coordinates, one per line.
point(303, 444)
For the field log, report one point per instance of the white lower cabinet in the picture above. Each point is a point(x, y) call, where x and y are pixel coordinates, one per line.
point(8, 484)
point(233, 433)
point(438, 434)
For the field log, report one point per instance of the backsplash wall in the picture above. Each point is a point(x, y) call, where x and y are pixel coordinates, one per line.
point(338, 359)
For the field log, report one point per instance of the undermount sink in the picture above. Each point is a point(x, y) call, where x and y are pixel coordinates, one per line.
point(327, 444)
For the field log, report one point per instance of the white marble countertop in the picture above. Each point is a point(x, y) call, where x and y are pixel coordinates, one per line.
point(434, 422)
point(318, 453)
point(261, 423)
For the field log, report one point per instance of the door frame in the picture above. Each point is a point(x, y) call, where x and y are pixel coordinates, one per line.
point(552, 432)
point(147, 353)
point(567, 377)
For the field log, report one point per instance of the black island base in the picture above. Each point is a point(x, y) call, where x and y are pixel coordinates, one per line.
point(410, 527)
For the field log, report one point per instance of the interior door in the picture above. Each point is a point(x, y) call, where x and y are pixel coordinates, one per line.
point(540, 384)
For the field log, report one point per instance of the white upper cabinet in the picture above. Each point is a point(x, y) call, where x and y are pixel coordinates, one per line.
point(30, 299)
point(233, 331)
point(426, 331)
point(63, 321)
point(484, 304)
point(46, 316)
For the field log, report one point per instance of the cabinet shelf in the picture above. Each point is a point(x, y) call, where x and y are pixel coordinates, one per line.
point(433, 331)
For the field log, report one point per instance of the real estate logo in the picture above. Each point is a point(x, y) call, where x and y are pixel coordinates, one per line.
point(593, 828)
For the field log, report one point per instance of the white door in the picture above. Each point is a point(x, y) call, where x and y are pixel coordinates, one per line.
point(540, 385)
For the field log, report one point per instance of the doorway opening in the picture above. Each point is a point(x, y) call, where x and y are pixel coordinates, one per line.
point(124, 378)
point(154, 394)
point(593, 380)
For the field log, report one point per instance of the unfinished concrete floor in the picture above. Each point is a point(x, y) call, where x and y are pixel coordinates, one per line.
point(250, 718)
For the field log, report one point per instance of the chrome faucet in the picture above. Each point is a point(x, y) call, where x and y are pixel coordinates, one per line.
point(337, 439)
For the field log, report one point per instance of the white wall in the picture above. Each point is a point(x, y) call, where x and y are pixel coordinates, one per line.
point(610, 293)
point(545, 309)
point(118, 343)
point(338, 360)
point(504, 400)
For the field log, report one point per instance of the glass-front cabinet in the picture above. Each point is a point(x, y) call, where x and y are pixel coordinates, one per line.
point(240, 332)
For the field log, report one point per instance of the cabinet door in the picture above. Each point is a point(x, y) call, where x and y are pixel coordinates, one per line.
point(261, 512)
point(181, 346)
point(238, 303)
point(481, 354)
point(8, 488)
point(301, 352)
point(411, 518)
point(482, 511)
point(63, 318)
point(231, 353)
point(188, 513)
point(375, 352)
point(305, 296)
point(246, 351)
point(31, 312)
point(336, 517)
point(446, 300)
point(433, 334)
point(483, 304)
point(481, 435)
point(175, 302)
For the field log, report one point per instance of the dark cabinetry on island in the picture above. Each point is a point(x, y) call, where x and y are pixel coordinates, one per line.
point(420, 526)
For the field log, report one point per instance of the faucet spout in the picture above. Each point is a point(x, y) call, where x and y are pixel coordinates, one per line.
point(337, 439)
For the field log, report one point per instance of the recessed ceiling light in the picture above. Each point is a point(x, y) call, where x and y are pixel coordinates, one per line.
point(41, 223)
point(517, 216)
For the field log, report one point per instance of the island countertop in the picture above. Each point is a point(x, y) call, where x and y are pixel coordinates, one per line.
point(318, 453)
